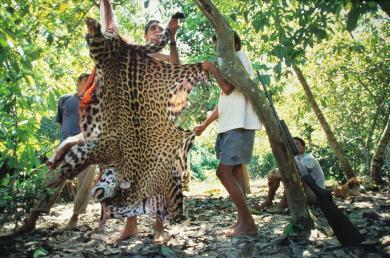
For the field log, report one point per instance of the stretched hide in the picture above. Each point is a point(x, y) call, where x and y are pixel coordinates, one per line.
point(129, 122)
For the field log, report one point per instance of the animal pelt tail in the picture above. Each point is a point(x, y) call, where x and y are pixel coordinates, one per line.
point(350, 188)
point(63, 149)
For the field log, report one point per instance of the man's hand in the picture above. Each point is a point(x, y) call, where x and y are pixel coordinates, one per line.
point(173, 26)
point(209, 67)
point(199, 129)
point(225, 86)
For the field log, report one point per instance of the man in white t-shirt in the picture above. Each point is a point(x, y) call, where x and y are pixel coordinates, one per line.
point(274, 179)
point(237, 122)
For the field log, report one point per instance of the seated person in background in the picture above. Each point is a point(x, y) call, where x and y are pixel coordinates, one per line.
point(274, 179)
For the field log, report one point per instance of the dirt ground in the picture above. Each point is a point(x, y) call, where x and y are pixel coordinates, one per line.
point(208, 210)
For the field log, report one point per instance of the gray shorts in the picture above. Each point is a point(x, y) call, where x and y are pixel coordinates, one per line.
point(235, 147)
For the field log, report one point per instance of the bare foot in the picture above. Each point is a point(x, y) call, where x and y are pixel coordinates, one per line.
point(123, 236)
point(228, 229)
point(246, 229)
point(129, 230)
point(104, 218)
point(72, 222)
point(159, 235)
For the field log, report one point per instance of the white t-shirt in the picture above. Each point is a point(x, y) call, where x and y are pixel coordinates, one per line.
point(235, 110)
point(314, 168)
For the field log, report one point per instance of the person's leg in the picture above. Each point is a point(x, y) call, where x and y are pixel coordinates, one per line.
point(159, 234)
point(274, 180)
point(245, 223)
point(238, 174)
point(246, 179)
point(85, 179)
point(281, 207)
point(130, 229)
point(43, 204)
point(283, 204)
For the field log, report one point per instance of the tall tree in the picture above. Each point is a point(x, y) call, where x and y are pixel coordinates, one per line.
point(340, 154)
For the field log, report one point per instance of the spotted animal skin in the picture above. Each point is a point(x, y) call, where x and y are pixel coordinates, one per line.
point(129, 123)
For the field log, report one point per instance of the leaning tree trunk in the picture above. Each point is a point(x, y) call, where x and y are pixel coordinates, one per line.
point(344, 163)
point(235, 73)
point(377, 159)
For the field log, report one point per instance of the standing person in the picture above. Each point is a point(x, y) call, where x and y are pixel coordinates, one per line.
point(153, 31)
point(68, 118)
point(274, 179)
point(237, 122)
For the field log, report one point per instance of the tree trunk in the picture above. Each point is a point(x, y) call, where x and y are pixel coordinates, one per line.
point(235, 73)
point(377, 159)
point(344, 163)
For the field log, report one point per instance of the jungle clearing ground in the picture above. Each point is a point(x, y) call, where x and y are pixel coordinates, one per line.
point(209, 210)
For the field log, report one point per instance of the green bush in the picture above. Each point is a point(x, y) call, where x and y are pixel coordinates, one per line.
point(17, 194)
point(201, 159)
point(329, 163)
point(260, 165)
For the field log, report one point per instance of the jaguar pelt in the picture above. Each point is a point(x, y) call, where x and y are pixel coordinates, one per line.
point(129, 123)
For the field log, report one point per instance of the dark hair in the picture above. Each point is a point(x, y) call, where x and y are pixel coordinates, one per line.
point(148, 25)
point(82, 76)
point(300, 140)
point(237, 41)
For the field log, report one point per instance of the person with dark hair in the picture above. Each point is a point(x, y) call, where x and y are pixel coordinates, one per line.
point(153, 32)
point(274, 179)
point(237, 123)
point(68, 117)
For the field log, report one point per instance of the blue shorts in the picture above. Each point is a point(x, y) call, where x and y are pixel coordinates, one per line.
point(235, 146)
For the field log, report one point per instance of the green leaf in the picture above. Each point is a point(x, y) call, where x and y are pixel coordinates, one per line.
point(278, 68)
point(39, 252)
point(259, 22)
point(320, 33)
point(288, 230)
point(280, 52)
point(353, 17)
point(168, 252)
point(265, 79)
point(50, 38)
point(5, 180)
point(52, 101)
point(3, 41)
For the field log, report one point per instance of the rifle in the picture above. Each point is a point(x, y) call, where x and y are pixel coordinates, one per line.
point(345, 231)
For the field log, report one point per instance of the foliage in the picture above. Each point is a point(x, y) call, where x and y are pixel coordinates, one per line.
point(261, 165)
point(350, 79)
point(202, 159)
